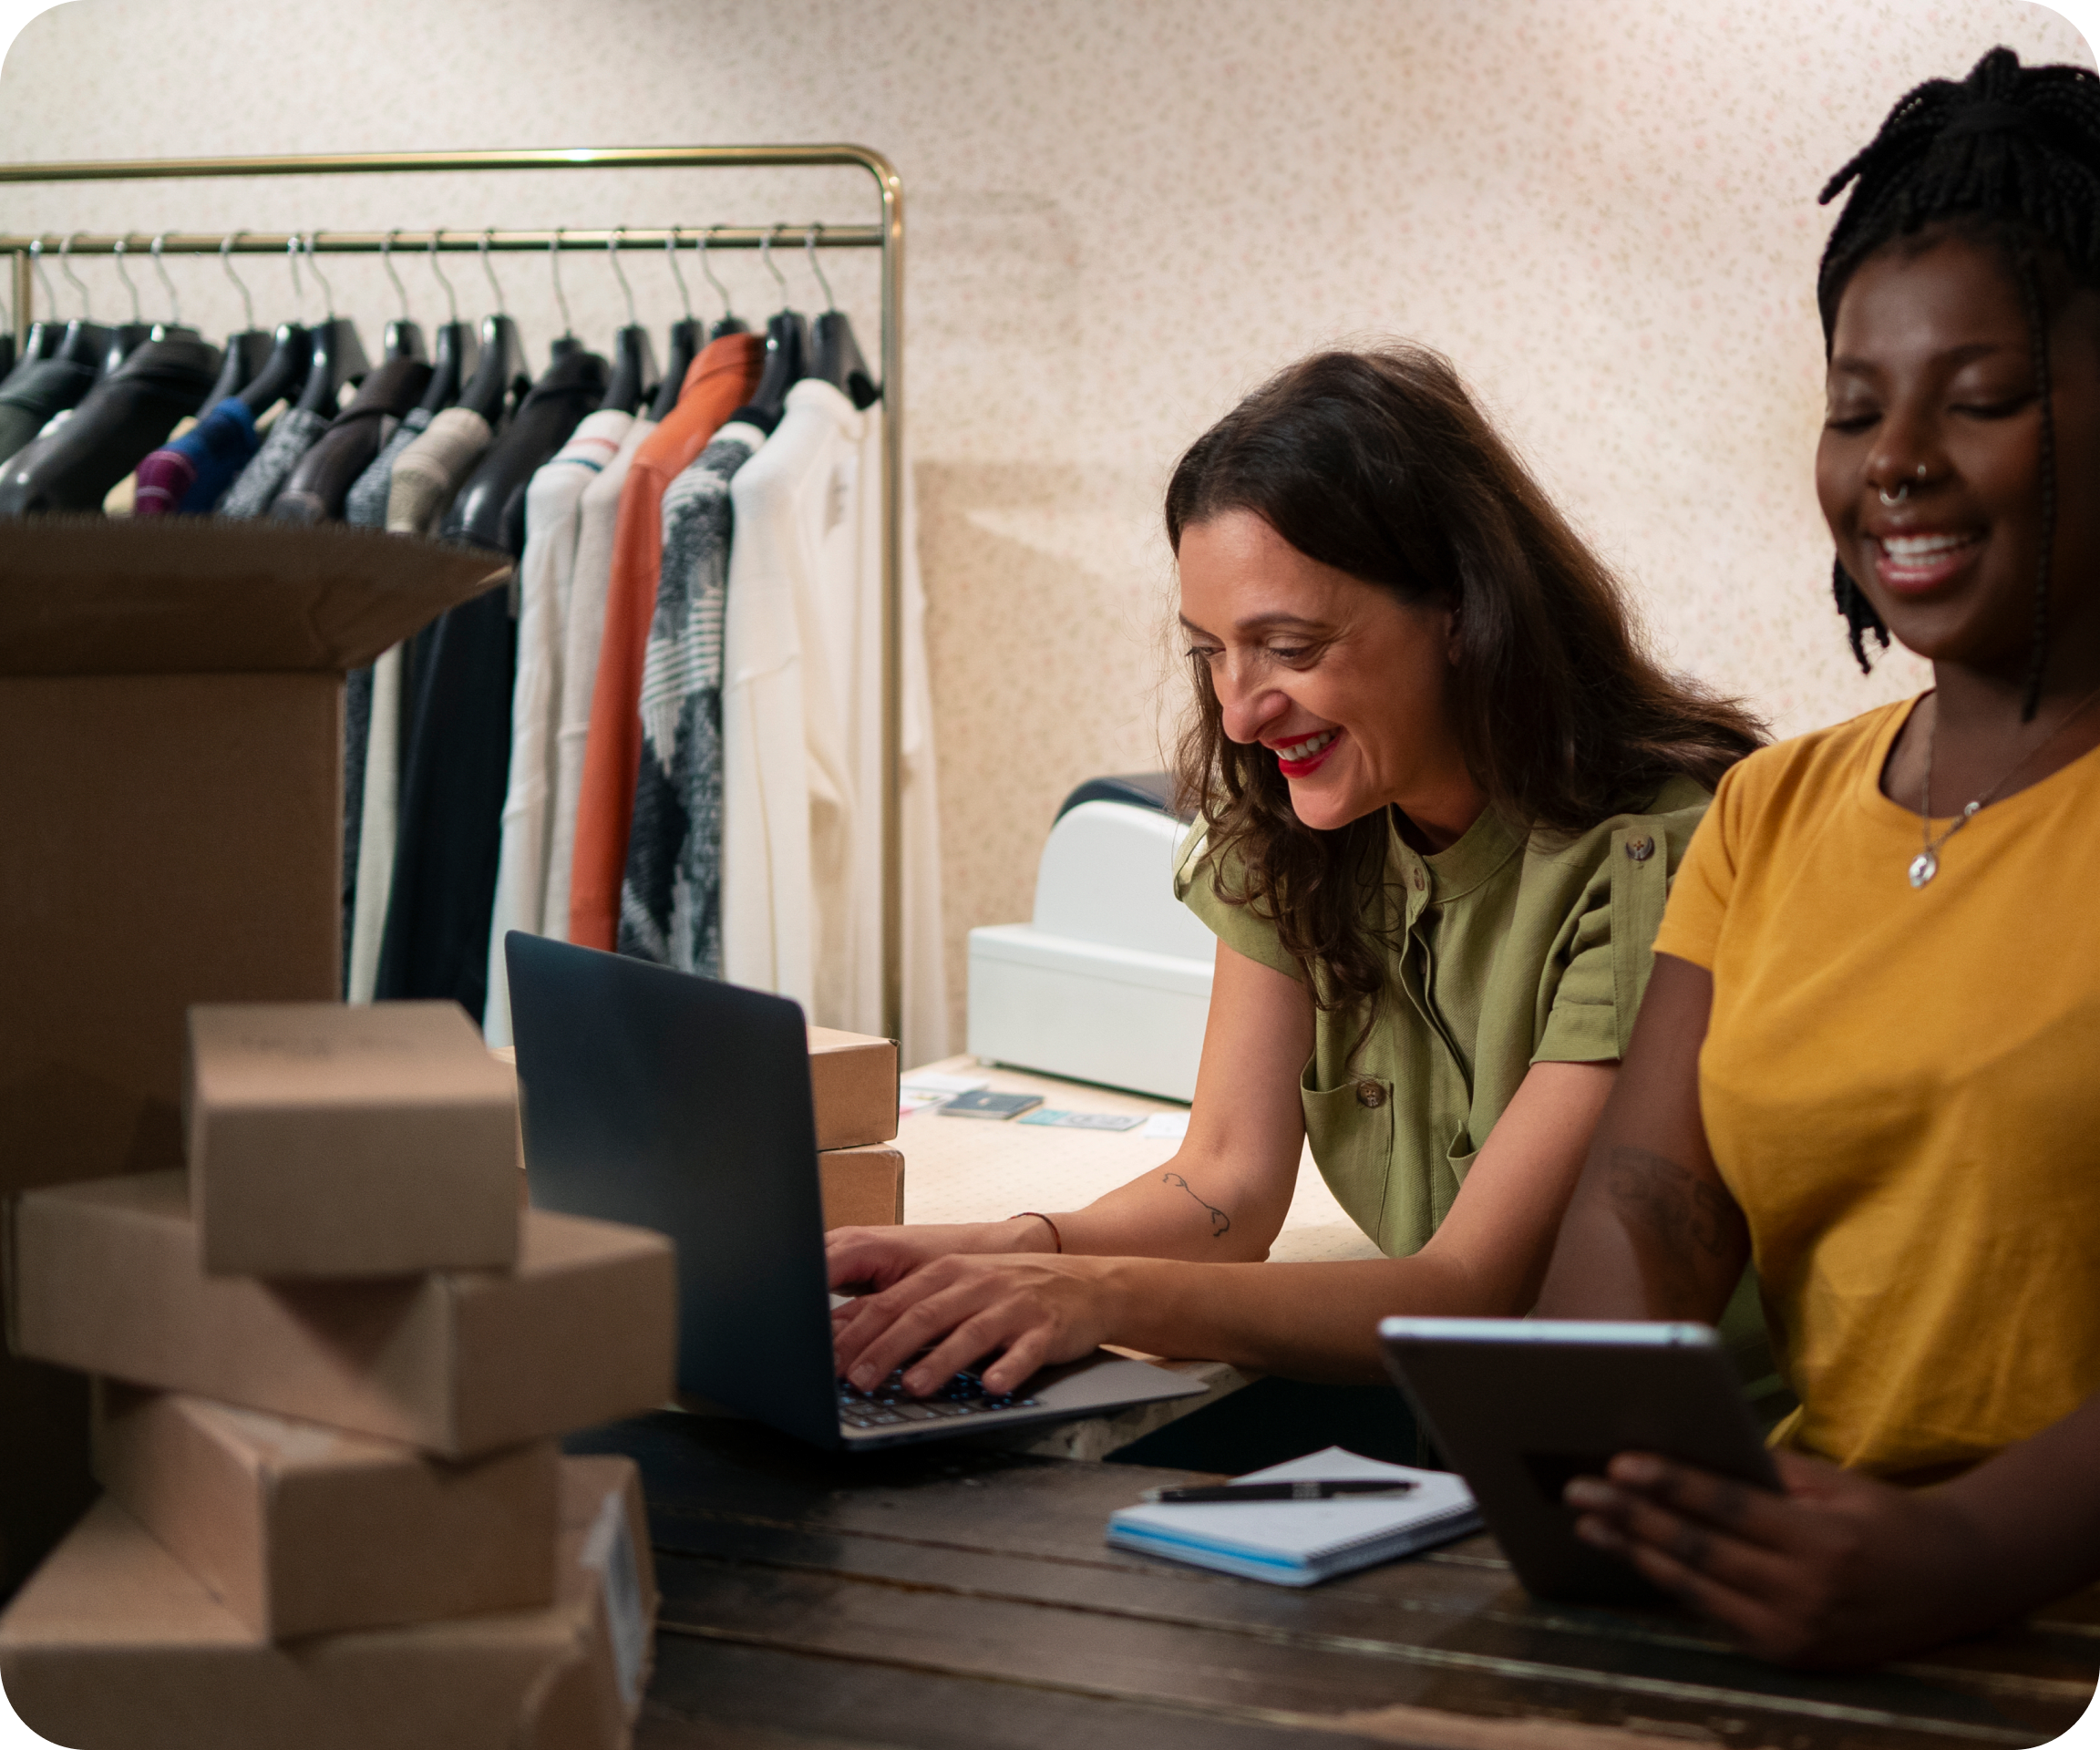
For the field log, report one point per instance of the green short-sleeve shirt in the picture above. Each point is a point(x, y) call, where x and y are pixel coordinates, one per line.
point(1503, 954)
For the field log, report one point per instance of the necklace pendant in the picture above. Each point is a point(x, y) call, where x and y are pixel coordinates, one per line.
point(1923, 868)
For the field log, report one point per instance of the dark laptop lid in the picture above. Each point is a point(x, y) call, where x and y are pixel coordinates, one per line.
point(682, 1104)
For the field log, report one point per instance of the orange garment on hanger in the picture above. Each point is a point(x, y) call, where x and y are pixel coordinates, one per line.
point(717, 384)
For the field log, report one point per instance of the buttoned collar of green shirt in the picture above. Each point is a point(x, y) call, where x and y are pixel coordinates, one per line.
point(1503, 952)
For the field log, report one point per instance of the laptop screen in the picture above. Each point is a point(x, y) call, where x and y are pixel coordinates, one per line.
point(682, 1104)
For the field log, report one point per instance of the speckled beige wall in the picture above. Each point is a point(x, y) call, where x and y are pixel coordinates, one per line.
point(1123, 215)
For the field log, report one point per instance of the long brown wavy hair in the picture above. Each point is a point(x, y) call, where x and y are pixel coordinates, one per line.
point(1378, 463)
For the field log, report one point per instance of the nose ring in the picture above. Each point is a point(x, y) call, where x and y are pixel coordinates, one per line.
point(1902, 492)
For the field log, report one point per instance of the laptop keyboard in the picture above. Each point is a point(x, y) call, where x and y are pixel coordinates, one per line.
point(889, 1404)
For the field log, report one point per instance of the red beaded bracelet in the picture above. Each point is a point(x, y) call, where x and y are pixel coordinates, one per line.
point(1046, 1222)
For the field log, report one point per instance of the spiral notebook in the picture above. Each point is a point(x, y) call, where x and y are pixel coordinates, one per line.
point(1299, 1543)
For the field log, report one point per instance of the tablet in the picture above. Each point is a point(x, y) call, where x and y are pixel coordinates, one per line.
point(1519, 1406)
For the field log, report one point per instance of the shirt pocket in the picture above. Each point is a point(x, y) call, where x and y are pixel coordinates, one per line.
point(1459, 1161)
point(1351, 1130)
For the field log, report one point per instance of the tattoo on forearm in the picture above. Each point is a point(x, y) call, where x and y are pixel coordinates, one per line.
point(1221, 1223)
point(1676, 1206)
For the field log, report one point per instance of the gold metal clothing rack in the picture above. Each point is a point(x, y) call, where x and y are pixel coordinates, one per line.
point(887, 235)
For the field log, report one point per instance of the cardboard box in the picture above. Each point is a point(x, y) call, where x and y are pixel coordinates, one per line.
point(171, 707)
point(299, 1529)
point(852, 1085)
point(862, 1188)
point(115, 1645)
point(333, 1141)
point(44, 1482)
point(854, 1081)
point(106, 1280)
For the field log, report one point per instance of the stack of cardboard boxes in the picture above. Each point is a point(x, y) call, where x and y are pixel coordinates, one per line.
point(853, 1086)
point(335, 1512)
point(171, 712)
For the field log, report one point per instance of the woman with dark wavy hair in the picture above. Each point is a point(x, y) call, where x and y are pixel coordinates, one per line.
point(1442, 790)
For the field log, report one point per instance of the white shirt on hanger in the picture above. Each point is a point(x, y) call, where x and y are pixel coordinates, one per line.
point(553, 501)
point(802, 731)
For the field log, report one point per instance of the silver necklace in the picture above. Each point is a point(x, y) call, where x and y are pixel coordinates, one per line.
point(1926, 864)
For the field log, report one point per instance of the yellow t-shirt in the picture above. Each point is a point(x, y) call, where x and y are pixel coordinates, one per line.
point(1902, 1089)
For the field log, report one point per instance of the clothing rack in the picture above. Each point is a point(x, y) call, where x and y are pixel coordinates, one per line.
point(887, 235)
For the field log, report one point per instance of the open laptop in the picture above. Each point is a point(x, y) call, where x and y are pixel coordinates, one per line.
point(682, 1104)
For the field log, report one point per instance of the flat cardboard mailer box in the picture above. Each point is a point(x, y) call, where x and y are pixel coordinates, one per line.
point(853, 1086)
point(171, 708)
point(115, 1645)
point(325, 1140)
point(861, 1188)
point(299, 1529)
point(107, 1279)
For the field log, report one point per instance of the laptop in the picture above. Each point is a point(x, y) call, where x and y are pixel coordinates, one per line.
point(668, 1101)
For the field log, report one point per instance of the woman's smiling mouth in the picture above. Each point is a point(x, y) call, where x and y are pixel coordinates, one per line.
point(1915, 563)
point(1302, 759)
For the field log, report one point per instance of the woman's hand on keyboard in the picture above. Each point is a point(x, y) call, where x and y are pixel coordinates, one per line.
point(858, 1258)
point(1030, 1311)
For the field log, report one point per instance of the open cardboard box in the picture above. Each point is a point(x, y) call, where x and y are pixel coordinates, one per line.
point(171, 712)
point(171, 707)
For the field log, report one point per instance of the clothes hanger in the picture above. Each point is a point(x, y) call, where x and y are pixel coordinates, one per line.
point(248, 351)
point(569, 361)
point(457, 348)
point(566, 341)
point(338, 352)
point(174, 327)
point(291, 353)
point(787, 343)
point(126, 337)
point(85, 340)
point(44, 332)
point(502, 354)
point(730, 323)
point(404, 338)
point(688, 334)
point(835, 354)
point(633, 356)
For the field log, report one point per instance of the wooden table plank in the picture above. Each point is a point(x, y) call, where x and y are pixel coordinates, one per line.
point(976, 1565)
point(714, 1695)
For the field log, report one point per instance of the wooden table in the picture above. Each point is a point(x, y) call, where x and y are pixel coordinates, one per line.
point(960, 1597)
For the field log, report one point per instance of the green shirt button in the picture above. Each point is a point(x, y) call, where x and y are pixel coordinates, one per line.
point(1641, 848)
point(1370, 1094)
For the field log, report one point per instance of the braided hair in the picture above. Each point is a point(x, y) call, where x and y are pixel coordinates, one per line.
point(2011, 156)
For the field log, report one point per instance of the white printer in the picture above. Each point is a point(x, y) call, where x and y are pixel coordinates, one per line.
point(1110, 981)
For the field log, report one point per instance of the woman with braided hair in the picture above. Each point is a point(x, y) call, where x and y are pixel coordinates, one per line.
point(1869, 1055)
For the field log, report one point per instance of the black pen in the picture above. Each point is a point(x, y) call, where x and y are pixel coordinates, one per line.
point(1307, 1491)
